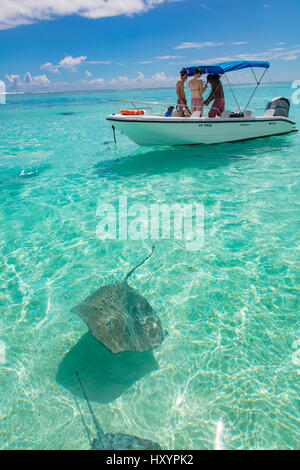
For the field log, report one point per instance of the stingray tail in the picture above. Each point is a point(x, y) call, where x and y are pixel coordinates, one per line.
point(100, 432)
point(84, 423)
point(138, 265)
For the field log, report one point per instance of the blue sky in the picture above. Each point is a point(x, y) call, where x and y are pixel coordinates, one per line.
point(101, 44)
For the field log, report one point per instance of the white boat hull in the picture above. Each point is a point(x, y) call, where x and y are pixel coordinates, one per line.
point(155, 130)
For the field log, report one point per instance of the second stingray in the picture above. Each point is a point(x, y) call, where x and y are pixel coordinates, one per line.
point(120, 318)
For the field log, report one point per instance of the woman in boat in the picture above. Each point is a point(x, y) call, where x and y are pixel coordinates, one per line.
point(197, 89)
point(216, 95)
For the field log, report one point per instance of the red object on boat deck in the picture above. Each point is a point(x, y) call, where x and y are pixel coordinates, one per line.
point(132, 112)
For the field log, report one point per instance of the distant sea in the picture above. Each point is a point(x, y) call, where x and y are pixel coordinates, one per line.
point(227, 374)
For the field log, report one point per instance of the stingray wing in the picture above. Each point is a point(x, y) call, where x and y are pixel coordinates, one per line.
point(92, 307)
point(146, 324)
point(104, 312)
point(126, 442)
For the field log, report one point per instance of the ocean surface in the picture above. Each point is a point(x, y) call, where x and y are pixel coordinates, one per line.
point(227, 374)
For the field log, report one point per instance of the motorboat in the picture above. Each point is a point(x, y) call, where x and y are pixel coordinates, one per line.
point(146, 127)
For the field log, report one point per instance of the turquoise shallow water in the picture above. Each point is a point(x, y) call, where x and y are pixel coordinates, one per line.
point(227, 375)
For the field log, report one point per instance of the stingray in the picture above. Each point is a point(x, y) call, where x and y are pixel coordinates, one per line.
point(116, 441)
point(120, 318)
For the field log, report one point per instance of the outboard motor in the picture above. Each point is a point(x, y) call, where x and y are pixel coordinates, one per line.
point(280, 105)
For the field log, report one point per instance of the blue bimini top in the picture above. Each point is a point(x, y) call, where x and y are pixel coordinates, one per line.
point(227, 67)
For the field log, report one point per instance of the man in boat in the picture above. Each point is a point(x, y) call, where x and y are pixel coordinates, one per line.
point(216, 95)
point(197, 88)
point(181, 98)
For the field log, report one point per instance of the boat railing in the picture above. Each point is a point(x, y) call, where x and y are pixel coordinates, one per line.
point(148, 105)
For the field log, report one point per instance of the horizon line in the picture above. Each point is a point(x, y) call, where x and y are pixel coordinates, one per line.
point(114, 90)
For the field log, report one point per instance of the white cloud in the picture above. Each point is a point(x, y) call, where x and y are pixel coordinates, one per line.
point(277, 53)
point(290, 57)
point(41, 79)
point(159, 76)
point(14, 80)
point(50, 67)
point(28, 77)
point(160, 57)
point(140, 77)
point(29, 82)
point(142, 62)
point(273, 54)
point(38, 80)
point(97, 62)
point(214, 60)
point(202, 45)
point(168, 57)
point(97, 81)
point(197, 45)
point(22, 12)
point(124, 82)
point(159, 79)
point(70, 62)
point(42, 83)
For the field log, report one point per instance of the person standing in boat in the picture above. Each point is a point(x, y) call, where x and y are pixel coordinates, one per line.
point(181, 98)
point(197, 88)
point(216, 95)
